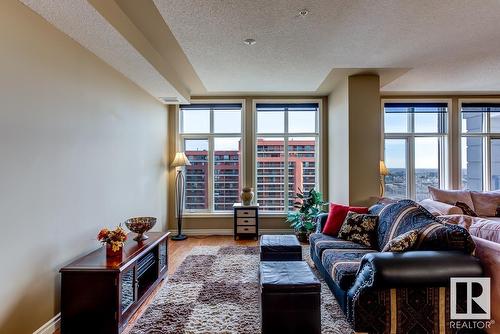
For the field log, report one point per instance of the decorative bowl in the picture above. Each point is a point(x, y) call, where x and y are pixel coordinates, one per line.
point(140, 225)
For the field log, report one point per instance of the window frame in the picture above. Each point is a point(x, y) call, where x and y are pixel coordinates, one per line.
point(181, 137)
point(487, 136)
point(444, 151)
point(285, 135)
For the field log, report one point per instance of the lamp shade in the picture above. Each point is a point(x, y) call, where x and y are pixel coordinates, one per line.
point(383, 169)
point(180, 160)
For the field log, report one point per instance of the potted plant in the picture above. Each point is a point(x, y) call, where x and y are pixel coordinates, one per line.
point(303, 219)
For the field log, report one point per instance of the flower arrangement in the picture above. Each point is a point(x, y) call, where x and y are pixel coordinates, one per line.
point(115, 238)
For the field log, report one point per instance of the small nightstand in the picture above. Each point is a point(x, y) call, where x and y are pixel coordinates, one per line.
point(246, 220)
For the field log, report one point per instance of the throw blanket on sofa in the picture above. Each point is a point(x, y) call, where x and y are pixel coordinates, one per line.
point(403, 216)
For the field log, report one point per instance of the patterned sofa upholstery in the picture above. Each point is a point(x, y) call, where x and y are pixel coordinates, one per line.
point(385, 292)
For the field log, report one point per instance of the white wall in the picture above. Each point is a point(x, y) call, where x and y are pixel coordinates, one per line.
point(338, 144)
point(81, 147)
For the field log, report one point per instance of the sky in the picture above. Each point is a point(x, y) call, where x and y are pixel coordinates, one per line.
point(426, 149)
point(229, 121)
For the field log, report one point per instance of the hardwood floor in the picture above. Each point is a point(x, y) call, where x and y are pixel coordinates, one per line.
point(177, 252)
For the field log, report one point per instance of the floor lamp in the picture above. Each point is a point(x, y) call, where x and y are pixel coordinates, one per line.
point(179, 162)
point(383, 173)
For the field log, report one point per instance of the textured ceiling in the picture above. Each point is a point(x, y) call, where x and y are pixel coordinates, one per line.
point(79, 20)
point(447, 45)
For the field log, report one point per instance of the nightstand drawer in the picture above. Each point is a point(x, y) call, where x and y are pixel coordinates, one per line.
point(246, 213)
point(245, 221)
point(246, 229)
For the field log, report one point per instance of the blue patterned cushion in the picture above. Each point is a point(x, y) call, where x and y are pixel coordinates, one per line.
point(401, 217)
point(319, 242)
point(342, 264)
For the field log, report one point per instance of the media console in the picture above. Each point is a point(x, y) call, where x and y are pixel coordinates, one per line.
point(99, 295)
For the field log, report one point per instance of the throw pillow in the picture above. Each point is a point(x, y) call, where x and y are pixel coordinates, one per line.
point(402, 243)
point(466, 209)
point(336, 217)
point(359, 228)
point(451, 196)
point(485, 203)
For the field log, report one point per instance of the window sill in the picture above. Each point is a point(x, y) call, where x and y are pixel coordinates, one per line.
point(229, 214)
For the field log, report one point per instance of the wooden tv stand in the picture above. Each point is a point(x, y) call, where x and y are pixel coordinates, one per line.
point(99, 295)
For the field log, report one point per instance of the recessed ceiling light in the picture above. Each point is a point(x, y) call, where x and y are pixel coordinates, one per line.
point(249, 41)
point(303, 12)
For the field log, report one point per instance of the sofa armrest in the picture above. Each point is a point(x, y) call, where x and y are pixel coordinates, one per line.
point(415, 268)
point(320, 222)
point(439, 208)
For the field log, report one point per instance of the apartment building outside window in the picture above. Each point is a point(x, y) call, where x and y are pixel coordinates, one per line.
point(286, 135)
point(480, 145)
point(210, 135)
point(415, 146)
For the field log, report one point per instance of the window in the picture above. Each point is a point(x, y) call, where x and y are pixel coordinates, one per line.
point(414, 148)
point(210, 135)
point(480, 147)
point(286, 153)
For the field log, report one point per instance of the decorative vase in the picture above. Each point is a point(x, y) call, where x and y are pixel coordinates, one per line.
point(140, 225)
point(113, 255)
point(246, 196)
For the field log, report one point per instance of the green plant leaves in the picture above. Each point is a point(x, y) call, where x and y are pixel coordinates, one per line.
point(307, 207)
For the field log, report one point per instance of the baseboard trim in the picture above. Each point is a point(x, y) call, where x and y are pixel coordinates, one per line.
point(230, 231)
point(50, 326)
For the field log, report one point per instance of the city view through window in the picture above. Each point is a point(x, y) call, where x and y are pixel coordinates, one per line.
point(480, 147)
point(415, 143)
point(413, 148)
point(270, 172)
point(214, 178)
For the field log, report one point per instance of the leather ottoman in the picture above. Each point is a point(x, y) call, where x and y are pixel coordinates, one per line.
point(280, 248)
point(290, 300)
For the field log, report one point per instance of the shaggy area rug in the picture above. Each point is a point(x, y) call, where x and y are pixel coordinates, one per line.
point(216, 290)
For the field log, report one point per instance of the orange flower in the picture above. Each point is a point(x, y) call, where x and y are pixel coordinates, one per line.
point(103, 234)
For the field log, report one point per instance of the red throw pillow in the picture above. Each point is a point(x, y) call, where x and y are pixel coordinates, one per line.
point(336, 217)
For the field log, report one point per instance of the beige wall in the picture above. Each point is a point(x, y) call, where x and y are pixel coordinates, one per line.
point(354, 132)
point(225, 222)
point(81, 147)
point(364, 139)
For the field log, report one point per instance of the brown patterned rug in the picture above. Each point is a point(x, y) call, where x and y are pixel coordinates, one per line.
point(215, 290)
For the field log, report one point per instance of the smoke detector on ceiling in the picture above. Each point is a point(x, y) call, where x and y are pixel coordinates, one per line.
point(303, 12)
point(250, 41)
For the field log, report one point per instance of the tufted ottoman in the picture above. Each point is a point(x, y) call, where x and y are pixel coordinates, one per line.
point(289, 298)
point(280, 248)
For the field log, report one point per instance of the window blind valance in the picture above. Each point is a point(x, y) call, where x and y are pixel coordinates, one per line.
point(480, 107)
point(416, 108)
point(216, 106)
point(287, 106)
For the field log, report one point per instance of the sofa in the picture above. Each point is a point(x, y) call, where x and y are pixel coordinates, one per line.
point(396, 292)
point(485, 225)
point(485, 229)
